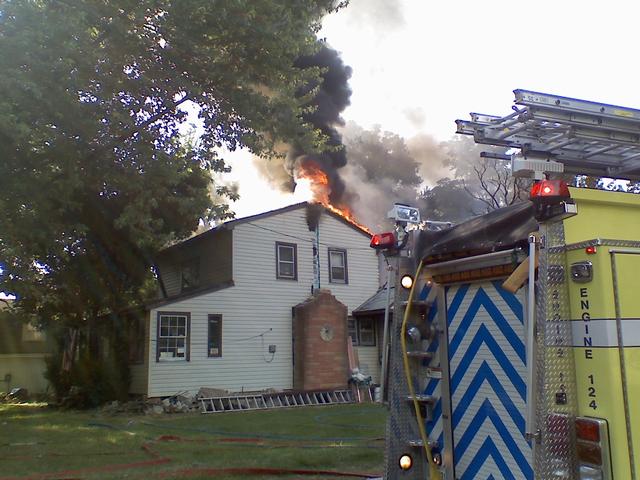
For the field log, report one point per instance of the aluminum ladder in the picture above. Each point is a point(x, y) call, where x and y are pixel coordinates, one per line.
point(262, 401)
point(588, 138)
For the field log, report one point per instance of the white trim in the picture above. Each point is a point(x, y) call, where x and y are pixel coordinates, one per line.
point(603, 332)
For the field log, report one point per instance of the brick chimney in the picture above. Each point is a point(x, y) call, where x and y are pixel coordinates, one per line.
point(320, 343)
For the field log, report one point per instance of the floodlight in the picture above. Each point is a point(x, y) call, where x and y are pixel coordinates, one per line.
point(404, 213)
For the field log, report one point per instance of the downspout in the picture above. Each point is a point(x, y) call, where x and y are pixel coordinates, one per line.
point(316, 258)
point(385, 337)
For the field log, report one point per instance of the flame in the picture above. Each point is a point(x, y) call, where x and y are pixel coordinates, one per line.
point(320, 189)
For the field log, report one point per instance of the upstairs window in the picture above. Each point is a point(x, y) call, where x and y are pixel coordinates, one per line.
point(173, 336)
point(286, 261)
point(190, 275)
point(338, 266)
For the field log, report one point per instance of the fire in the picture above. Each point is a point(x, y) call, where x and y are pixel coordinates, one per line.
point(320, 188)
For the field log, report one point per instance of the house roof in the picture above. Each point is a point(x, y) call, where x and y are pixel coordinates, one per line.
point(378, 302)
point(230, 224)
point(188, 294)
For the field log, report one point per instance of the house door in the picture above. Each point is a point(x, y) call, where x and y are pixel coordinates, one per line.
point(487, 371)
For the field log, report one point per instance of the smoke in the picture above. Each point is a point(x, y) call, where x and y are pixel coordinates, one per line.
point(377, 15)
point(332, 97)
point(384, 169)
point(432, 157)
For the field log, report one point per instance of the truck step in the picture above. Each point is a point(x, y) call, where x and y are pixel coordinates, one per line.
point(419, 354)
point(423, 398)
point(417, 303)
point(418, 443)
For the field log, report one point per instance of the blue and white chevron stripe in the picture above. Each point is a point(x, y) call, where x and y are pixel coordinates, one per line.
point(488, 391)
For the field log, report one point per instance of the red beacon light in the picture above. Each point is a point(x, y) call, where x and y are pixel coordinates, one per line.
point(549, 191)
point(382, 241)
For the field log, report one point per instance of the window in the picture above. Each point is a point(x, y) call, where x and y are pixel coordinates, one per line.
point(338, 265)
point(286, 261)
point(352, 330)
point(190, 274)
point(173, 336)
point(214, 344)
point(362, 331)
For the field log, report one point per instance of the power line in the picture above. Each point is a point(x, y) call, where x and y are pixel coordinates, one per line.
point(302, 238)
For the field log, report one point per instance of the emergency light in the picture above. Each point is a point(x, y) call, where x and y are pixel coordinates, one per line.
point(383, 240)
point(551, 200)
point(549, 191)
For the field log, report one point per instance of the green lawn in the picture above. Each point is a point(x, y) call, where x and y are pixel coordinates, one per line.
point(38, 443)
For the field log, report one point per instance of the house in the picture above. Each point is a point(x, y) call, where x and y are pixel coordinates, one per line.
point(23, 351)
point(229, 295)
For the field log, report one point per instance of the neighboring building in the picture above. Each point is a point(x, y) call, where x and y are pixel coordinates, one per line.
point(226, 319)
point(23, 350)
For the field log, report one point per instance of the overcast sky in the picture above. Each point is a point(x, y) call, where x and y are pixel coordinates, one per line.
point(419, 65)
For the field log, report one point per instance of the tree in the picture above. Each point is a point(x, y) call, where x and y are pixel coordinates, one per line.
point(486, 180)
point(380, 171)
point(448, 201)
point(95, 175)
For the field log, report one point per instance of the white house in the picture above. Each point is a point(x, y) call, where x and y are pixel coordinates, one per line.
point(226, 319)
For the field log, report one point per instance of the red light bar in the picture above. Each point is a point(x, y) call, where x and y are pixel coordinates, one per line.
point(590, 250)
point(549, 191)
point(587, 429)
point(383, 240)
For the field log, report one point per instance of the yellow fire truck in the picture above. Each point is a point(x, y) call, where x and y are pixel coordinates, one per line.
point(517, 355)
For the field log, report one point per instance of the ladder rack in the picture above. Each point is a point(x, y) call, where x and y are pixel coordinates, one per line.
point(588, 138)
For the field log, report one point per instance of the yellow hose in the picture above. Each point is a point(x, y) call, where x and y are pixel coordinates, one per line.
point(434, 473)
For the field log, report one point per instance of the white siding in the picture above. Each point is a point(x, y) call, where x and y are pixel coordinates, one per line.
point(27, 371)
point(261, 304)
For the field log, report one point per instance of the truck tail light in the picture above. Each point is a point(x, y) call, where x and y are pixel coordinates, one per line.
point(587, 429)
point(383, 240)
point(592, 448)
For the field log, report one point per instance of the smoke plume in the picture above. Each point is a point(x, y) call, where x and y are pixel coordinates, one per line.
point(332, 97)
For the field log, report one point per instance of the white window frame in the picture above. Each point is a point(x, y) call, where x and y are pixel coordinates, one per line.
point(294, 250)
point(344, 266)
point(357, 340)
point(164, 334)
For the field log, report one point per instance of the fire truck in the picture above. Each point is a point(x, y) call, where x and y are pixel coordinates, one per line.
point(517, 353)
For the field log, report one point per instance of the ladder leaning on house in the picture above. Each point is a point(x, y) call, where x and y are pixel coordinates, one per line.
point(264, 401)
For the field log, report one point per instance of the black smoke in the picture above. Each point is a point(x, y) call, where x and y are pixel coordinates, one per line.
point(332, 97)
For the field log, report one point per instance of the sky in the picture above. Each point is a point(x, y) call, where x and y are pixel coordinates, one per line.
point(419, 65)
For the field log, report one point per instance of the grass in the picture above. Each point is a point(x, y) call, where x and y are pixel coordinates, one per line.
point(37, 441)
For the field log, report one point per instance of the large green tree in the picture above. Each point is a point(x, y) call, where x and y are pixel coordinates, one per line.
point(95, 174)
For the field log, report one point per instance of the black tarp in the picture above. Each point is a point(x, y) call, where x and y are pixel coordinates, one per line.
point(502, 229)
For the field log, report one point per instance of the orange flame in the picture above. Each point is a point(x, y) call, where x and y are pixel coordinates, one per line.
point(321, 189)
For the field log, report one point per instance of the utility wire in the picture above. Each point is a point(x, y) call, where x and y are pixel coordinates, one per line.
point(301, 238)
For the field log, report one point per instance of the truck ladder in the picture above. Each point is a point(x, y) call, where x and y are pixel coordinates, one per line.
point(588, 138)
